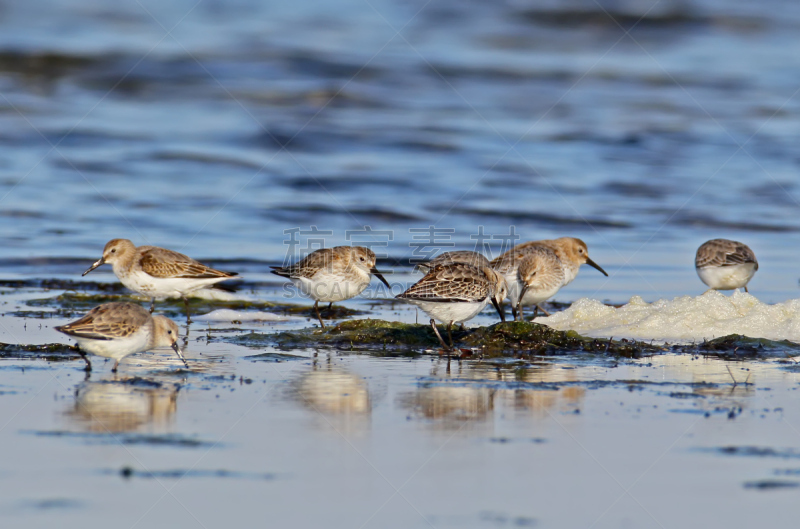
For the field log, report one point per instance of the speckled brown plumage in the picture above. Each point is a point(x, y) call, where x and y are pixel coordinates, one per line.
point(452, 283)
point(160, 262)
point(330, 259)
point(108, 321)
point(458, 256)
point(724, 252)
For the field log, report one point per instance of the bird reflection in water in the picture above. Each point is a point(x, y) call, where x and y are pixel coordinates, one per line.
point(126, 405)
point(340, 397)
point(538, 388)
point(471, 392)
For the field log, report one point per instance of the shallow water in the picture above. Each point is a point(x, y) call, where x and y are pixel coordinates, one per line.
point(231, 129)
point(350, 440)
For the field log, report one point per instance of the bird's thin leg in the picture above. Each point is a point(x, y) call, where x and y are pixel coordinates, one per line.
point(152, 305)
point(514, 312)
point(745, 289)
point(450, 334)
point(88, 367)
point(535, 311)
point(186, 304)
point(519, 311)
point(316, 309)
point(542, 309)
point(114, 369)
point(330, 305)
point(436, 331)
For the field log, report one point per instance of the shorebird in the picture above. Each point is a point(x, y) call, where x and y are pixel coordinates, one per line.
point(116, 330)
point(724, 265)
point(332, 274)
point(572, 253)
point(455, 293)
point(158, 273)
point(533, 275)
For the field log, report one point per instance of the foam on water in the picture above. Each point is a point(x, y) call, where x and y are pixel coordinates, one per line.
point(684, 319)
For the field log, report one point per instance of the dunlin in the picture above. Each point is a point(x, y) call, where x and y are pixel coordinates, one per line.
point(533, 275)
point(571, 251)
point(158, 273)
point(455, 293)
point(458, 256)
point(725, 265)
point(332, 274)
point(116, 330)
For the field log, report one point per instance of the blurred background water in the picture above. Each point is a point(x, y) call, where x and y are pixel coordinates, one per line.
point(644, 128)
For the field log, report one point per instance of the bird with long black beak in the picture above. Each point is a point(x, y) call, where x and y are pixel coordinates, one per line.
point(116, 330)
point(572, 253)
point(333, 274)
point(158, 273)
point(455, 293)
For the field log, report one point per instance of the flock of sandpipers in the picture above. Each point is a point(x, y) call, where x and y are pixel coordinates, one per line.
point(456, 286)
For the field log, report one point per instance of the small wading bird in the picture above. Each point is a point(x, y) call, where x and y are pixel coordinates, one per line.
point(725, 265)
point(333, 274)
point(533, 276)
point(570, 251)
point(455, 293)
point(116, 330)
point(158, 273)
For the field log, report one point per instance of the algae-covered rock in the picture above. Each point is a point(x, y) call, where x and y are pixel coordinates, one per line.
point(352, 334)
point(496, 340)
point(520, 339)
point(534, 338)
point(52, 352)
point(738, 346)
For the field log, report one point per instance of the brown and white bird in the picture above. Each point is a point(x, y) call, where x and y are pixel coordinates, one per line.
point(572, 253)
point(116, 330)
point(332, 274)
point(533, 276)
point(158, 273)
point(455, 293)
point(723, 264)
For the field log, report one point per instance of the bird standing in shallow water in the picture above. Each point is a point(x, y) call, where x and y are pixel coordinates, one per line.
point(116, 330)
point(158, 273)
point(455, 293)
point(725, 265)
point(332, 274)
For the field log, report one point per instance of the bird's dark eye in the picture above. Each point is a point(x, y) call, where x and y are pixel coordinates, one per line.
point(362, 259)
point(113, 250)
point(169, 332)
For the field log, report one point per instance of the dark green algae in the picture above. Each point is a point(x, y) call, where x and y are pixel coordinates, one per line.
point(495, 340)
point(52, 352)
point(517, 338)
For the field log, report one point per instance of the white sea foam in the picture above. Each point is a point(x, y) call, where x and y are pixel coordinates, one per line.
point(682, 320)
